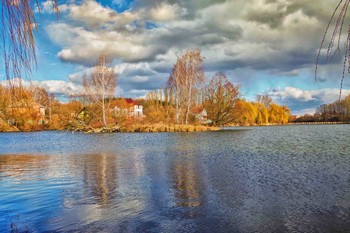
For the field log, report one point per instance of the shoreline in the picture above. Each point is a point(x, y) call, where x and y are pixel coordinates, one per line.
point(149, 128)
point(292, 123)
point(166, 128)
point(137, 128)
point(319, 123)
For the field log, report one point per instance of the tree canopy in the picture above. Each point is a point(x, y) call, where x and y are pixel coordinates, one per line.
point(220, 100)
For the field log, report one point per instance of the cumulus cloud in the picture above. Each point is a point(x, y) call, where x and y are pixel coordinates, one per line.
point(258, 34)
point(83, 47)
point(299, 100)
point(165, 12)
point(325, 95)
point(60, 87)
point(131, 69)
point(48, 6)
point(293, 93)
point(131, 77)
point(257, 37)
point(96, 16)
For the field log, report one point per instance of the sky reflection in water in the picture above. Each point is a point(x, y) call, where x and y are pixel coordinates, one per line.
point(268, 179)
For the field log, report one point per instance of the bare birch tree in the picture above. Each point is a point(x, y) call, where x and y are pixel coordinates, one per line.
point(100, 85)
point(174, 85)
point(185, 78)
point(193, 76)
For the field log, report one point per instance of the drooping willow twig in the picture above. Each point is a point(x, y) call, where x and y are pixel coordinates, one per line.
point(333, 47)
point(18, 43)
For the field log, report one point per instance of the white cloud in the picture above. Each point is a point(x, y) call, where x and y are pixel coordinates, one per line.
point(132, 69)
point(258, 34)
point(326, 95)
point(94, 15)
point(253, 34)
point(83, 46)
point(309, 111)
point(60, 87)
point(276, 37)
point(293, 93)
point(57, 87)
point(302, 100)
point(165, 12)
point(48, 6)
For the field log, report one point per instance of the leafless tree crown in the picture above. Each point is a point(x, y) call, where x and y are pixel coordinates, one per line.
point(100, 84)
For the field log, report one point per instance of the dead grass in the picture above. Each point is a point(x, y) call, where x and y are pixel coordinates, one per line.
point(167, 128)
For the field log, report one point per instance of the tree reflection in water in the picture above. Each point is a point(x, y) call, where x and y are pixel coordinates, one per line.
point(19, 166)
point(188, 186)
point(100, 177)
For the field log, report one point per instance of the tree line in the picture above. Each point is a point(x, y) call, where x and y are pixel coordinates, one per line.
point(187, 95)
point(338, 111)
point(187, 99)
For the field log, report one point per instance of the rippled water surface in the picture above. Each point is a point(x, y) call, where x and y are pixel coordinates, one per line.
point(261, 179)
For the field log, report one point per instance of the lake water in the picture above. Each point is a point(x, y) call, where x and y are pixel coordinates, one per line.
point(258, 179)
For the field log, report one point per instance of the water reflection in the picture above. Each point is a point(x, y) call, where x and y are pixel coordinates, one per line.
point(187, 183)
point(100, 177)
point(201, 182)
point(18, 166)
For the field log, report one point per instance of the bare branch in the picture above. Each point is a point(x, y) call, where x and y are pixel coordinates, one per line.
point(18, 43)
point(333, 48)
point(100, 85)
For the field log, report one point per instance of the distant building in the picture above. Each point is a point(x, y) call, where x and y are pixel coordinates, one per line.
point(136, 111)
point(22, 107)
point(42, 110)
point(202, 116)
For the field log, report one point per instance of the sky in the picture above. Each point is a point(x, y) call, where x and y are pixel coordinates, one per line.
point(265, 46)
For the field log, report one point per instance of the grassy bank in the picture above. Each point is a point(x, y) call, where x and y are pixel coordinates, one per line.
point(150, 128)
point(135, 128)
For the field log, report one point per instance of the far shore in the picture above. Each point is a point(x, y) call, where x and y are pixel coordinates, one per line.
point(318, 123)
point(289, 124)
point(159, 128)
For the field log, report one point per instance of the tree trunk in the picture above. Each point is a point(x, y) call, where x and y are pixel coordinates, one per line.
point(188, 103)
point(104, 114)
point(177, 103)
point(177, 107)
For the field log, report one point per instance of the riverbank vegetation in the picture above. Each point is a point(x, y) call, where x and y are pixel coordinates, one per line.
point(35, 109)
point(338, 111)
point(187, 103)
